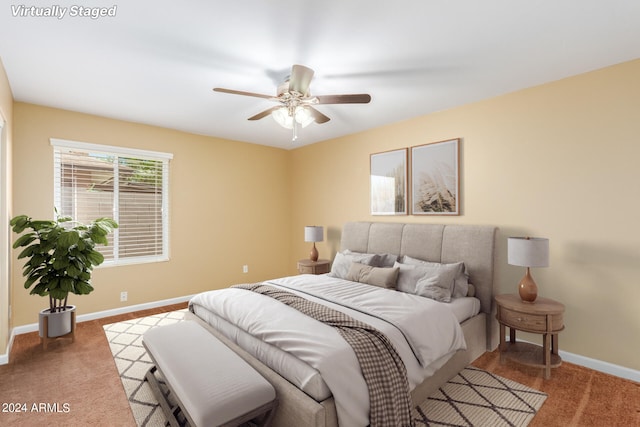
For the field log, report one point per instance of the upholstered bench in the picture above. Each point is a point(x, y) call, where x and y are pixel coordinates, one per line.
point(213, 386)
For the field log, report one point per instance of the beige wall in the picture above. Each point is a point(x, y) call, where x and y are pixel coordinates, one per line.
point(557, 161)
point(229, 206)
point(6, 115)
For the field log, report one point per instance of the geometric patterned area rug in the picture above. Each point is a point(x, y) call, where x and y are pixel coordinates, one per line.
point(473, 398)
point(133, 362)
point(476, 397)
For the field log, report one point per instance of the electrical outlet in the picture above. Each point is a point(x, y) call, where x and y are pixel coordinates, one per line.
point(245, 268)
point(123, 296)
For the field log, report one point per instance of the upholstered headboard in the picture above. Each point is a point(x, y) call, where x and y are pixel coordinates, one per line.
point(472, 244)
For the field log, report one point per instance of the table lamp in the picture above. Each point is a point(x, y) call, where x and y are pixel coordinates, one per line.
point(313, 233)
point(528, 252)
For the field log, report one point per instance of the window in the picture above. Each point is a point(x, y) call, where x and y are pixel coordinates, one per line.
point(131, 186)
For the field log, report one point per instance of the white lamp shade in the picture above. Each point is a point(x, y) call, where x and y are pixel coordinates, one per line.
point(313, 233)
point(528, 251)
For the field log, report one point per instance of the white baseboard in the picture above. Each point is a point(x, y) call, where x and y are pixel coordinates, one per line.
point(596, 365)
point(4, 358)
point(602, 366)
point(33, 327)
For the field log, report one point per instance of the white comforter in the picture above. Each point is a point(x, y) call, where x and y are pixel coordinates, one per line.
point(423, 331)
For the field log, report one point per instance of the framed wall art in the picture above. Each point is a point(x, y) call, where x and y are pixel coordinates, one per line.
point(435, 178)
point(389, 183)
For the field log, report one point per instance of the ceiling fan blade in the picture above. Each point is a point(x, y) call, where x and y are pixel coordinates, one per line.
point(239, 92)
point(300, 79)
point(264, 114)
point(358, 98)
point(318, 116)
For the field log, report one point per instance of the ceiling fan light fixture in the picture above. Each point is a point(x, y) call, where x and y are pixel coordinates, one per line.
point(304, 116)
point(282, 117)
point(296, 103)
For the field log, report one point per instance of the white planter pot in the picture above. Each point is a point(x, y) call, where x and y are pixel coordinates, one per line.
point(59, 323)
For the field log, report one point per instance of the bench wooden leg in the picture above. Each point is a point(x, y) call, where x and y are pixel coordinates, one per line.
point(170, 412)
point(263, 415)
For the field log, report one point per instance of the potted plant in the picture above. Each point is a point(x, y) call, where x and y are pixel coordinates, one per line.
point(60, 256)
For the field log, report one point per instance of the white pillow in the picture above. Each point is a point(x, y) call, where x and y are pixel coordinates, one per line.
point(460, 285)
point(342, 262)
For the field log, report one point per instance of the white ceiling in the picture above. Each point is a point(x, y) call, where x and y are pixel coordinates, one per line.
point(157, 61)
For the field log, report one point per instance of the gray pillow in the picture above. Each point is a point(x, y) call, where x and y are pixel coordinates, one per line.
point(436, 284)
point(343, 260)
point(376, 276)
point(382, 260)
point(431, 281)
point(460, 285)
point(408, 276)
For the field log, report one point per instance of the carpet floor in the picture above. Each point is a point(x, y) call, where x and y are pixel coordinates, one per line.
point(473, 398)
point(84, 376)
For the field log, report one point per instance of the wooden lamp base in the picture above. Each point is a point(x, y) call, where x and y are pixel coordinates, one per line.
point(527, 288)
point(313, 256)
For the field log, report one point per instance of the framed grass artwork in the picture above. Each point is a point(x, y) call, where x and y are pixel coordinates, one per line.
point(435, 178)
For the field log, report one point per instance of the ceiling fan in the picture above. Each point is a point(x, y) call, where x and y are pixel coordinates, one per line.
point(295, 102)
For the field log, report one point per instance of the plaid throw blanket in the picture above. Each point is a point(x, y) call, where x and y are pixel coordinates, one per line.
point(382, 368)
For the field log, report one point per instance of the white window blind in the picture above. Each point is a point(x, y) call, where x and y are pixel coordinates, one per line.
point(131, 186)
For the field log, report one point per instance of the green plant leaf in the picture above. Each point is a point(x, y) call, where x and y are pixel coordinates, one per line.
point(24, 240)
point(38, 259)
point(61, 262)
point(101, 240)
point(66, 284)
point(73, 270)
point(29, 250)
point(58, 293)
point(68, 238)
point(83, 288)
point(95, 257)
point(40, 289)
point(30, 281)
point(42, 224)
point(19, 223)
point(107, 223)
point(52, 284)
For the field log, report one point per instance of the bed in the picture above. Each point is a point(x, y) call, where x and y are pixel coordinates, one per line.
point(307, 402)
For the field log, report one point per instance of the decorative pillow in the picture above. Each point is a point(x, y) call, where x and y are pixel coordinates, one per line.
point(436, 287)
point(343, 260)
point(376, 276)
point(383, 260)
point(431, 281)
point(408, 276)
point(460, 286)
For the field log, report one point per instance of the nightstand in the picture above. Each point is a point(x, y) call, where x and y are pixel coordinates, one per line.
point(306, 266)
point(544, 316)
